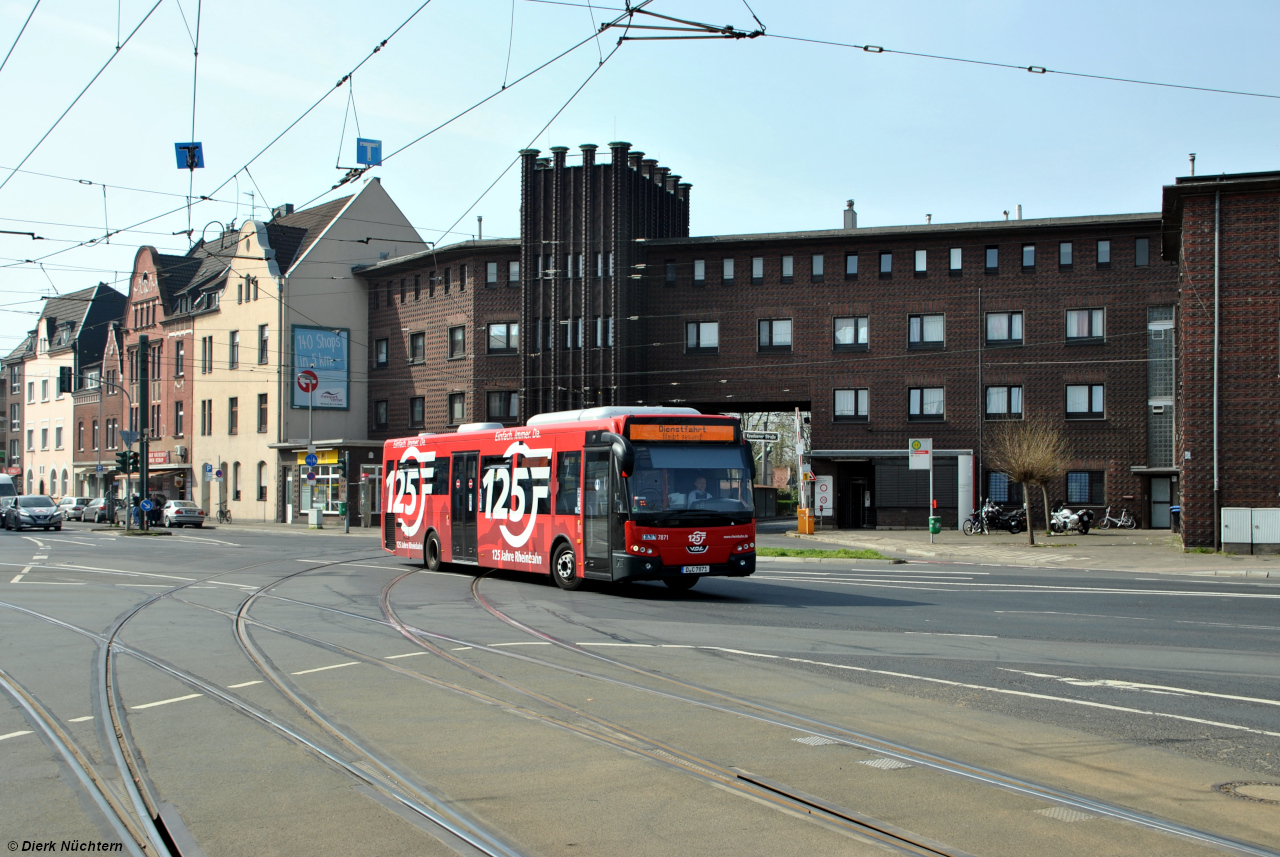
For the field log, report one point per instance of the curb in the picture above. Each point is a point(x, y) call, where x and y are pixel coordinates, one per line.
point(830, 559)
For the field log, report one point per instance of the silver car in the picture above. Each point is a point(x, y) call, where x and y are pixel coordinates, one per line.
point(33, 510)
point(182, 513)
point(72, 508)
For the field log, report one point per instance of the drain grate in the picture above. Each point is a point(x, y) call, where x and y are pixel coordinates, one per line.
point(814, 740)
point(1062, 813)
point(885, 764)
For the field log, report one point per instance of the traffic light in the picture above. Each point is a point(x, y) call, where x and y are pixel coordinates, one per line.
point(122, 461)
point(342, 466)
point(65, 380)
point(135, 464)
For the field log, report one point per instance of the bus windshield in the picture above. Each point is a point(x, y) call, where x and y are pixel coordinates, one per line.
point(684, 479)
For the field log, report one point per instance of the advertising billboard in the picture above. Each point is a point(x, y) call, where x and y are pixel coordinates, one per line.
point(325, 351)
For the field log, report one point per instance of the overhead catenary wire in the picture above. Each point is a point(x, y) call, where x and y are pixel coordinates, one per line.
point(80, 95)
point(23, 29)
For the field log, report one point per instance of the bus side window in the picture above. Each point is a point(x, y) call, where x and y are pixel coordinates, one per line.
point(389, 488)
point(568, 481)
point(441, 485)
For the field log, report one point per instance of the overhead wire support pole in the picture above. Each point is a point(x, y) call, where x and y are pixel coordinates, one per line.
point(195, 78)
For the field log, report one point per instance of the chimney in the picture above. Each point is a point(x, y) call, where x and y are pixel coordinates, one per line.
point(282, 211)
point(618, 148)
point(648, 166)
point(1019, 211)
point(928, 218)
point(1192, 156)
point(1006, 214)
point(542, 164)
point(850, 216)
point(673, 182)
point(558, 154)
point(588, 154)
point(634, 158)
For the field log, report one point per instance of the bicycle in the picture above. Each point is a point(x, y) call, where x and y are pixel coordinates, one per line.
point(1125, 521)
point(224, 514)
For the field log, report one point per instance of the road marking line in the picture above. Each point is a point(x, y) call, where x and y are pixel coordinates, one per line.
point(322, 669)
point(15, 734)
point(54, 583)
point(80, 719)
point(675, 646)
point(17, 578)
point(237, 585)
point(409, 655)
point(1008, 692)
point(40, 556)
point(90, 568)
point(1029, 588)
point(615, 645)
point(38, 543)
point(165, 701)
point(496, 645)
point(941, 634)
point(462, 649)
point(243, 684)
point(1133, 685)
point(1091, 615)
point(211, 541)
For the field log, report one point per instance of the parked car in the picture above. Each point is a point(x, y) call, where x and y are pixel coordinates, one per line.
point(5, 503)
point(182, 513)
point(96, 511)
point(33, 510)
point(72, 508)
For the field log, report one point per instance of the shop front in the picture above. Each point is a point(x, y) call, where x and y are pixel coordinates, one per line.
point(168, 477)
point(344, 473)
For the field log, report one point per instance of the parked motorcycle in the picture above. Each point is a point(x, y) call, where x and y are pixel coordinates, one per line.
point(1063, 520)
point(1014, 520)
point(978, 519)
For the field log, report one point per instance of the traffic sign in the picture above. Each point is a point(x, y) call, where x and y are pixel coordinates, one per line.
point(824, 496)
point(308, 380)
point(147, 505)
point(764, 436)
point(368, 152)
point(311, 459)
point(208, 468)
point(311, 477)
point(920, 453)
point(129, 437)
point(99, 468)
point(217, 474)
point(190, 155)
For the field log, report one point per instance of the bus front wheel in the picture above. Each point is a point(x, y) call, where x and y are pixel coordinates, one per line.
point(431, 553)
point(564, 569)
point(680, 584)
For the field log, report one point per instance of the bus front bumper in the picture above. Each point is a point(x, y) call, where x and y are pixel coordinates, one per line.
point(628, 567)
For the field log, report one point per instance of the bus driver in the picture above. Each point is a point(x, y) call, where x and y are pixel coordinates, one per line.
point(699, 491)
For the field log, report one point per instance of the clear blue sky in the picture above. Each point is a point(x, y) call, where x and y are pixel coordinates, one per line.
point(773, 134)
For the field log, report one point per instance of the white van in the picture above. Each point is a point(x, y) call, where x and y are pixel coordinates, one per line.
point(7, 488)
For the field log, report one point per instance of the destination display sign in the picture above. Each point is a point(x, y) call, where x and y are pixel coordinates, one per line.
point(681, 432)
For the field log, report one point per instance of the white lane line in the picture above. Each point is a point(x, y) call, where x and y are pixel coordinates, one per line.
point(165, 701)
point(674, 646)
point(149, 585)
point(1030, 588)
point(17, 578)
point(942, 634)
point(121, 572)
point(80, 719)
point(407, 655)
point(39, 556)
point(74, 542)
point(55, 583)
point(15, 734)
point(243, 684)
point(617, 645)
point(209, 540)
point(38, 543)
point(322, 669)
point(1133, 685)
point(496, 645)
point(1090, 615)
point(1009, 692)
point(236, 585)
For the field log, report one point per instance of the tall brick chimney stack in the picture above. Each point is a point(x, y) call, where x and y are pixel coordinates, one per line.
point(588, 154)
point(647, 167)
point(634, 159)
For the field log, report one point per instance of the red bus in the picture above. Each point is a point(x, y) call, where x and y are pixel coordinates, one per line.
point(609, 493)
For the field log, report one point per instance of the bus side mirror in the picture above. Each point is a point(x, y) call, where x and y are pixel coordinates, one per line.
point(623, 452)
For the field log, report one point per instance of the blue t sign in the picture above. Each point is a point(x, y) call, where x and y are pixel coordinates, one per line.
point(368, 152)
point(190, 155)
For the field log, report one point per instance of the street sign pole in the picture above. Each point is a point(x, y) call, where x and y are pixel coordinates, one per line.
point(932, 507)
point(144, 417)
point(920, 457)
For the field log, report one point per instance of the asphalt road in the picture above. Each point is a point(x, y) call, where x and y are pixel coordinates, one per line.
point(304, 693)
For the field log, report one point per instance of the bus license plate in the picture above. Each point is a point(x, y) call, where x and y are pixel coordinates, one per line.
point(695, 569)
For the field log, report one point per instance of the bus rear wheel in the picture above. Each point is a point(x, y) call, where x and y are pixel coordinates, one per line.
point(431, 553)
point(680, 584)
point(564, 569)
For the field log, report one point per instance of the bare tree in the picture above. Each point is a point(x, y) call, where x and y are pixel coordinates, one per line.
point(1031, 452)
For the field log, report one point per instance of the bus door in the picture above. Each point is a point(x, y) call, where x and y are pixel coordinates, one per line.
point(596, 503)
point(464, 494)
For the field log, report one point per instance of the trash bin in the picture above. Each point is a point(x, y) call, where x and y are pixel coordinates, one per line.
point(935, 524)
point(1175, 518)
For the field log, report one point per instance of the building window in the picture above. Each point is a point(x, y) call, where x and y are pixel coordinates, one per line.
point(31, 392)
point(699, 270)
point(206, 417)
point(702, 337)
point(1086, 324)
point(179, 358)
point(417, 411)
point(852, 333)
point(604, 331)
point(462, 277)
point(1064, 255)
point(178, 419)
point(1086, 488)
point(671, 273)
point(57, 437)
point(206, 356)
point(886, 264)
point(418, 347)
point(1004, 328)
point(926, 331)
point(233, 350)
point(775, 334)
point(95, 430)
point(80, 436)
point(726, 270)
point(457, 342)
point(380, 353)
point(1104, 253)
point(788, 269)
point(457, 408)
point(922, 263)
point(993, 260)
point(1142, 252)
point(851, 405)
point(490, 273)
point(44, 390)
point(513, 273)
point(417, 287)
point(504, 337)
point(504, 406)
point(264, 342)
point(233, 415)
point(955, 261)
point(1028, 257)
point(572, 333)
point(850, 266)
point(926, 403)
point(1004, 403)
point(262, 413)
point(31, 440)
point(817, 268)
point(262, 482)
point(757, 270)
point(1086, 401)
point(380, 414)
point(403, 289)
point(1002, 489)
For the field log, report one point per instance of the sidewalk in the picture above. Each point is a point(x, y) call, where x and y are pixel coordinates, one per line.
point(1152, 551)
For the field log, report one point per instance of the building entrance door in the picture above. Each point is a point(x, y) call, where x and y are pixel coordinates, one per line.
point(1161, 499)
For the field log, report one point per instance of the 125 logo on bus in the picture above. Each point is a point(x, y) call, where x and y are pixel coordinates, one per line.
point(417, 470)
point(505, 497)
